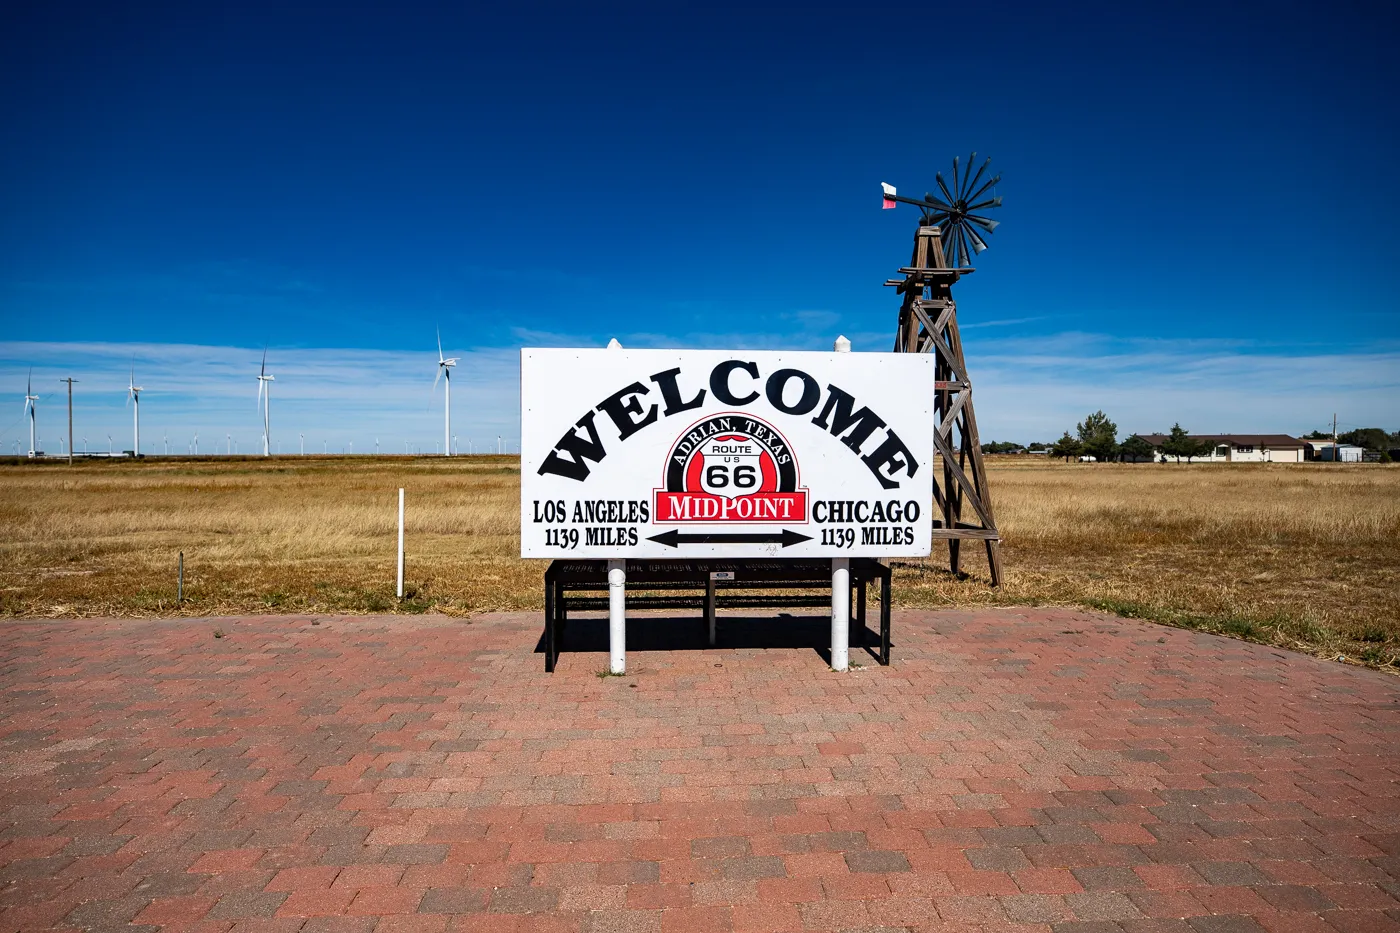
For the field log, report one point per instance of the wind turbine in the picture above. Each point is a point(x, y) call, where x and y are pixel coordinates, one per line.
point(196, 443)
point(265, 399)
point(445, 372)
point(133, 395)
point(303, 444)
point(30, 408)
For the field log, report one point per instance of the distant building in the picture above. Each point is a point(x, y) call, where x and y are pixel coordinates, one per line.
point(1239, 448)
point(1340, 453)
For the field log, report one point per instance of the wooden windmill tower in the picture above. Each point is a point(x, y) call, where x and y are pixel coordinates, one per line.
point(928, 323)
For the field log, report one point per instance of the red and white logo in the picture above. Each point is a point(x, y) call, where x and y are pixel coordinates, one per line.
point(730, 468)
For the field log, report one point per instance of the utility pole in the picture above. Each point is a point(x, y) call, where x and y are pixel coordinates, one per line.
point(70, 380)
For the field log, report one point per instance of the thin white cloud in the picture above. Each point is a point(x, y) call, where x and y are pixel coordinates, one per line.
point(1032, 389)
point(1025, 388)
point(1005, 322)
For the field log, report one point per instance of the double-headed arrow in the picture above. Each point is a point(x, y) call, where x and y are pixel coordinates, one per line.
point(676, 538)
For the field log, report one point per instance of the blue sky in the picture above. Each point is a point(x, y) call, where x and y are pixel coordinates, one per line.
point(1199, 220)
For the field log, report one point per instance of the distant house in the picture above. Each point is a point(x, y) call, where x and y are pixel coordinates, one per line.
point(1239, 448)
point(1341, 453)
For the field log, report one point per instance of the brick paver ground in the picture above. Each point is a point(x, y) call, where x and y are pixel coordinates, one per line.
point(1027, 770)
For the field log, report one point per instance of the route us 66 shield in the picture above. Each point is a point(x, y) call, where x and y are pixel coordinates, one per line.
point(731, 466)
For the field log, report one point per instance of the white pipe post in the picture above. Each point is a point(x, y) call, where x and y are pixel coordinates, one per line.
point(617, 616)
point(841, 584)
point(400, 544)
point(840, 613)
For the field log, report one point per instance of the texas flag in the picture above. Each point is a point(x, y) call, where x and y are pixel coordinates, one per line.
point(889, 195)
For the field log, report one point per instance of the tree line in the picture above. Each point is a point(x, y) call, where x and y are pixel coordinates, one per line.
point(1368, 438)
point(1097, 436)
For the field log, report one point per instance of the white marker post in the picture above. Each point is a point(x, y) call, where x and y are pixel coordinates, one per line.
point(400, 544)
point(840, 613)
point(617, 616)
point(841, 586)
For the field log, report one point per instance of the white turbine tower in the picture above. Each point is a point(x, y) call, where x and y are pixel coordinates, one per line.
point(265, 400)
point(445, 372)
point(133, 397)
point(31, 405)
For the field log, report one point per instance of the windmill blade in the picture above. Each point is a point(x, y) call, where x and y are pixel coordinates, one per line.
point(263, 371)
point(956, 186)
point(937, 203)
point(971, 183)
point(985, 223)
point(439, 337)
point(978, 244)
point(437, 377)
point(990, 202)
point(989, 183)
point(938, 177)
point(29, 386)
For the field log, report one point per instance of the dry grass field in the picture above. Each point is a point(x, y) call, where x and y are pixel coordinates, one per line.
point(1302, 556)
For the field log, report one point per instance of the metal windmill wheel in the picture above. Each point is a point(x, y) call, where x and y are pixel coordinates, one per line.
point(954, 212)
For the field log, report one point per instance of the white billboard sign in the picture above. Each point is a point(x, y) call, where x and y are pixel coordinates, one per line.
point(717, 453)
